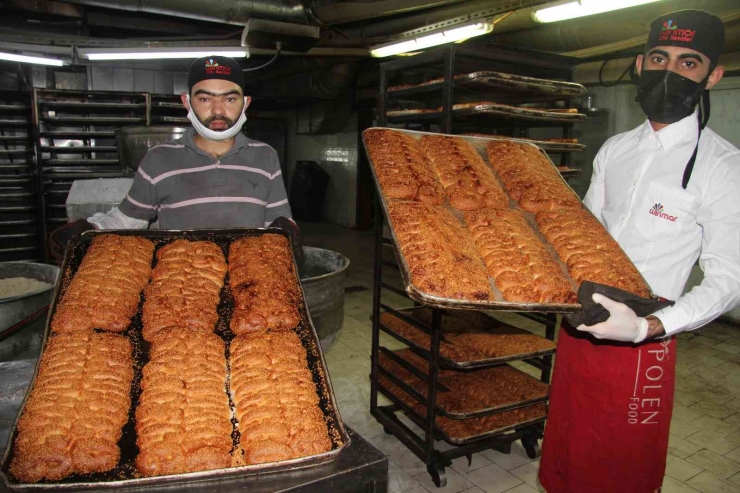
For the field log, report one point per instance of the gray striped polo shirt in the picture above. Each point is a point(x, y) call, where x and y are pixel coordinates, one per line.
point(186, 188)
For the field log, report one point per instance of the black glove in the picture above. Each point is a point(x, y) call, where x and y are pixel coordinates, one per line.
point(296, 239)
point(60, 237)
point(593, 313)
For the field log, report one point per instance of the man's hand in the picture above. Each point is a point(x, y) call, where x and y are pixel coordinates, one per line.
point(623, 324)
point(296, 239)
point(60, 237)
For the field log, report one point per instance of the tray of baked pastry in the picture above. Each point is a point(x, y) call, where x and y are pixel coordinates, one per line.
point(469, 339)
point(507, 87)
point(470, 405)
point(489, 223)
point(170, 357)
point(488, 110)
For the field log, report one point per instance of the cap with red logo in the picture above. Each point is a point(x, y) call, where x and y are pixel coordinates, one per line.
point(215, 67)
point(693, 29)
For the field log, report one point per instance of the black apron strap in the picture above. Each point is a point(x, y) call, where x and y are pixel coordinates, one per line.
point(703, 116)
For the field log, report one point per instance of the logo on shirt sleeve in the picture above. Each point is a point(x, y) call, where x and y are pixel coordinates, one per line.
point(659, 211)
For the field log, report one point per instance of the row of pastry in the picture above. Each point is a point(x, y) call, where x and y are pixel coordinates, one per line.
point(419, 176)
point(81, 399)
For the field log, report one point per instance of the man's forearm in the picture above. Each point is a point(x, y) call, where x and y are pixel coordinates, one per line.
point(655, 328)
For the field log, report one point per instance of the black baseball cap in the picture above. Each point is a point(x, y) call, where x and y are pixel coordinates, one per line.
point(215, 67)
point(693, 29)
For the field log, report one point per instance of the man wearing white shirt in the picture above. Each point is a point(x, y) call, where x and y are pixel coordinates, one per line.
point(667, 191)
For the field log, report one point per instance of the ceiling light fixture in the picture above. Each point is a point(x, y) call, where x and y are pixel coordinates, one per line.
point(12, 57)
point(440, 37)
point(160, 53)
point(582, 8)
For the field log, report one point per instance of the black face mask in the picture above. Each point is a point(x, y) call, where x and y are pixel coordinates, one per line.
point(667, 97)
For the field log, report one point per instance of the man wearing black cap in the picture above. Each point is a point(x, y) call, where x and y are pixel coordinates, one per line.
point(212, 177)
point(667, 192)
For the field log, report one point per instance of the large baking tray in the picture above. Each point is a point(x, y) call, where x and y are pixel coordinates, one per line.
point(420, 420)
point(407, 315)
point(125, 476)
point(487, 110)
point(441, 302)
point(506, 87)
point(441, 410)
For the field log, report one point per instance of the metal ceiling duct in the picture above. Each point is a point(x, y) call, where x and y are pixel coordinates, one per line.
point(238, 12)
point(235, 12)
point(325, 83)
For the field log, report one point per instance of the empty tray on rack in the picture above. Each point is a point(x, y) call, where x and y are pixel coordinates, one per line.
point(470, 339)
point(507, 87)
point(489, 108)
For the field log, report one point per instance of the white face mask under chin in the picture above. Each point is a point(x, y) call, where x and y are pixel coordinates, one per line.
point(217, 136)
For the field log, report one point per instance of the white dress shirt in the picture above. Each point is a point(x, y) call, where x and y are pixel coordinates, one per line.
point(636, 193)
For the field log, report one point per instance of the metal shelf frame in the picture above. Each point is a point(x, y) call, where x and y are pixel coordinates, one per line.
point(20, 237)
point(424, 447)
point(451, 57)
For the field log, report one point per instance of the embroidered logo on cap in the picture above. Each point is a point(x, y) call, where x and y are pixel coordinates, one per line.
point(213, 67)
point(670, 32)
point(657, 210)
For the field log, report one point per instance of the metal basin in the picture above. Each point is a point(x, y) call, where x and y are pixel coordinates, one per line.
point(25, 343)
point(322, 278)
point(134, 142)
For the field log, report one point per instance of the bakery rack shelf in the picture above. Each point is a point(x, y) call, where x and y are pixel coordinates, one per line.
point(75, 137)
point(167, 110)
point(19, 227)
point(449, 76)
point(423, 409)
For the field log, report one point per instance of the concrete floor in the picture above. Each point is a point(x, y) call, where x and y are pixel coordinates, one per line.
point(704, 447)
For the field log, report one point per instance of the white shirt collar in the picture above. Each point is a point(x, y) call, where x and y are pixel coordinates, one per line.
point(686, 129)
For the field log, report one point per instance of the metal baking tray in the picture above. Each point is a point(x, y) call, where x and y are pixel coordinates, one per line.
point(435, 301)
point(487, 110)
point(420, 421)
point(125, 475)
point(442, 411)
point(407, 315)
point(506, 87)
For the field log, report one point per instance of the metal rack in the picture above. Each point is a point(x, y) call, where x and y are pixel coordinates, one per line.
point(19, 232)
point(453, 59)
point(167, 110)
point(74, 134)
point(424, 447)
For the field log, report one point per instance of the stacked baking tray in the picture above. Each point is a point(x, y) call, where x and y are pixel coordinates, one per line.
point(125, 474)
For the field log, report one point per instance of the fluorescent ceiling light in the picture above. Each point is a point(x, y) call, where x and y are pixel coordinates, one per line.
point(12, 57)
point(432, 39)
point(583, 8)
point(161, 53)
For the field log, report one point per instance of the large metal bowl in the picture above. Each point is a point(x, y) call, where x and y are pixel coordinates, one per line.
point(134, 142)
point(322, 278)
point(25, 343)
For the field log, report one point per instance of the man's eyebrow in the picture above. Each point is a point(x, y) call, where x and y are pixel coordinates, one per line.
point(658, 52)
point(211, 93)
point(693, 56)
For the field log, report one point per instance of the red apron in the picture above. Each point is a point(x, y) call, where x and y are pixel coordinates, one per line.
point(609, 416)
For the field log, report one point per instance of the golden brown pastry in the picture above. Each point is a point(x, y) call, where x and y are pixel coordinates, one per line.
point(493, 387)
point(275, 399)
point(589, 251)
point(185, 289)
point(529, 177)
point(402, 168)
point(105, 290)
point(440, 253)
point(183, 420)
point(80, 401)
point(264, 284)
point(522, 267)
point(468, 181)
